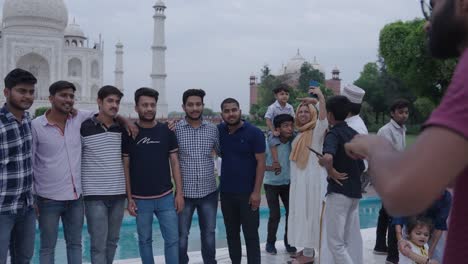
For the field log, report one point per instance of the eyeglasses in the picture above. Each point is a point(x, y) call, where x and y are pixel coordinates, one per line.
point(426, 8)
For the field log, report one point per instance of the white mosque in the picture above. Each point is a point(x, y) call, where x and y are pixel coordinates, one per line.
point(36, 35)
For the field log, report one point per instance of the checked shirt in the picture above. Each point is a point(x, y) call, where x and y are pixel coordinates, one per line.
point(16, 177)
point(196, 147)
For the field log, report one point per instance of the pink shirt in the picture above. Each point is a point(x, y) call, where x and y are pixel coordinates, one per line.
point(453, 115)
point(57, 158)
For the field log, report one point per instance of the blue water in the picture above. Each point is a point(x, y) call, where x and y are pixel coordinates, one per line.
point(128, 244)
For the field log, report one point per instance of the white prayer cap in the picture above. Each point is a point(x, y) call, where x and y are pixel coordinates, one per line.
point(353, 93)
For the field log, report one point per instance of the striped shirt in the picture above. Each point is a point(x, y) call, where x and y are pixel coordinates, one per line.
point(102, 171)
point(15, 162)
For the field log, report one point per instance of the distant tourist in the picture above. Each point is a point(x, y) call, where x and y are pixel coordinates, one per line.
point(395, 132)
point(307, 179)
point(102, 175)
point(197, 139)
point(343, 237)
point(439, 157)
point(243, 168)
point(17, 217)
point(280, 106)
point(149, 160)
point(277, 185)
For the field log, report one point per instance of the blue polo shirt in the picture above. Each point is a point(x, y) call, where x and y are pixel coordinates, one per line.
point(238, 168)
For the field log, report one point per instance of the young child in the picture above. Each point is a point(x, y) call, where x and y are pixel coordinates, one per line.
point(280, 106)
point(418, 230)
point(277, 186)
point(341, 216)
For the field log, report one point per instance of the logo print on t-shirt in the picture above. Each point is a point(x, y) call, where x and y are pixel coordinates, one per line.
point(147, 140)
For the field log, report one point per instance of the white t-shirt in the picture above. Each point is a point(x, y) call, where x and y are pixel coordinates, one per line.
point(415, 249)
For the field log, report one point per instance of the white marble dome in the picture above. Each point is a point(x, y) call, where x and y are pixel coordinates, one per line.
point(294, 65)
point(74, 30)
point(48, 14)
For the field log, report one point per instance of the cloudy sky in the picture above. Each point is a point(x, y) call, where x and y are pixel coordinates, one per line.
point(216, 44)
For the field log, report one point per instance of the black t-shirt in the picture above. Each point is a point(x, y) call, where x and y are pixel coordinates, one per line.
point(150, 173)
point(334, 143)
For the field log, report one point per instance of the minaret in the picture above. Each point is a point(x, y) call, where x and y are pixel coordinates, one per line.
point(253, 90)
point(158, 75)
point(119, 72)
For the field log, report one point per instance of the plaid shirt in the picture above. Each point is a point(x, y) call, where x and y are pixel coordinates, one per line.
point(16, 177)
point(196, 147)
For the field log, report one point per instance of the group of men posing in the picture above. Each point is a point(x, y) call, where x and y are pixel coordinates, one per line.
point(68, 164)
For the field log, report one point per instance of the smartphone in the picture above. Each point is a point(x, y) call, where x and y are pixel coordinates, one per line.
point(315, 152)
point(314, 84)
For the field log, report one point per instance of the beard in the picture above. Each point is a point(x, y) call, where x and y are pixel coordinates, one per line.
point(19, 106)
point(145, 119)
point(446, 33)
point(234, 123)
point(194, 118)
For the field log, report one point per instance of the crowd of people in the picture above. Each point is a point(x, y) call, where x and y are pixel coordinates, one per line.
point(67, 165)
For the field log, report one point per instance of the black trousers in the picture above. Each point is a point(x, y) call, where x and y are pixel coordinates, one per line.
point(387, 241)
point(273, 195)
point(237, 213)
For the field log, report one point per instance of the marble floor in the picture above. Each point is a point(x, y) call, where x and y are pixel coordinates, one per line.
point(222, 255)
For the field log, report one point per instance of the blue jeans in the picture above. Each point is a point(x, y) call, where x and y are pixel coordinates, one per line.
point(165, 211)
point(72, 214)
point(20, 230)
point(206, 210)
point(104, 218)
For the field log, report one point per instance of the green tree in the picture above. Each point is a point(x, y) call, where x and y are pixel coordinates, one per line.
point(41, 110)
point(308, 73)
point(382, 89)
point(208, 112)
point(369, 81)
point(403, 47)
point(424, 107)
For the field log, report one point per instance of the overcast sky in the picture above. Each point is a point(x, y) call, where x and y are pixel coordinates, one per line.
point(216, 44)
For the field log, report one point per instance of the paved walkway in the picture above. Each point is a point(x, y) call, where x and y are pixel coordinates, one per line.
point(282, 257)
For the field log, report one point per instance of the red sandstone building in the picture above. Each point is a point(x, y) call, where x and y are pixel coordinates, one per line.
point(291, 73)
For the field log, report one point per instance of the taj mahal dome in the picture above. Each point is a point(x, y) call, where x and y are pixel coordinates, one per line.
point(36, 35)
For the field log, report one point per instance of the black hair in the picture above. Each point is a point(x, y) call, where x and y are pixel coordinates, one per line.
point(416, 221)
point(338, 105)
point(145, 91)
point(281, 88)
point(229, 101)
point(354, 108)
point(60, 86)
point(109, 90)
point(193, 92)
point(19, 76)
point(283, 118)
point(399, 104)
